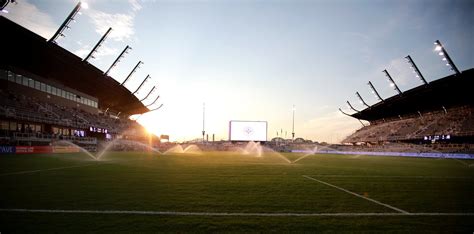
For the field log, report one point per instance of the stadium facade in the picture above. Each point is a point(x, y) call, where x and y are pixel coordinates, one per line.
point(440, 112)
point(49, 94)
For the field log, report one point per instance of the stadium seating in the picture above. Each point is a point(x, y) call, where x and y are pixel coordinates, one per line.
point(20, 107)
point(457, 121)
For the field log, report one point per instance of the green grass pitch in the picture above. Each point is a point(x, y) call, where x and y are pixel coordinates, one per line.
point(229, 192)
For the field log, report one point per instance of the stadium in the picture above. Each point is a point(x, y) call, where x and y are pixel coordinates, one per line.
point(73, 157)
point(434, 116)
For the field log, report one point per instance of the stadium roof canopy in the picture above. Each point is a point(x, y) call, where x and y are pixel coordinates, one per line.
point(450, 91)
point(27, 51)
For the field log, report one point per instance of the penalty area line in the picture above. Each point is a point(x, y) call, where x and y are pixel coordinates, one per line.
point(98, 163)
point(182, 213)
point(357, 195)
point(463, 163)
point(391, 176)
point(48, 169)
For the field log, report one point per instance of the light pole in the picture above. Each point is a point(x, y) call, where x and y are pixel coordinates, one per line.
point(442, 52)
point(374, 91)
point(4, 4)
point(350, 106)
point(415, 69)
point(143, 82)
point(66, 22)
point(133, 71)
point(293, 131)
point(344, 112)
point(149, 93)
point(362, 100)
point(392, 82)
point(96, 47)
point(121, 55)
point(203, 120)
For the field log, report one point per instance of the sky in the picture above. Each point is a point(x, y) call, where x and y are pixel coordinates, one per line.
point(254, 60)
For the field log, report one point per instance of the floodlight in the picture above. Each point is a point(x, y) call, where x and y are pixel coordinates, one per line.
point(96, 47)
point(392, 82)
point(133, 71)
point(153, 101)
point(125, 51)
point(143, 82)
point(351, 107)
point(362, 100)
point(151, 91)
point(344, 112)
point(66, 22)
point(440, 47)
point(84, 5)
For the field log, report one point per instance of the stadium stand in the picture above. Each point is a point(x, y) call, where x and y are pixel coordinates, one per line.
point(438, 116)
point(53, 95)
point(454, 122)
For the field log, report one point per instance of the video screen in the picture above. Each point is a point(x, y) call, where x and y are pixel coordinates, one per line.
point(248, 130)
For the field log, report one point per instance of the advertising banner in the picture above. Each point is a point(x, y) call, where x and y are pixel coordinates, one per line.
point(33, 149)
point(65, 149)
point(7, 149)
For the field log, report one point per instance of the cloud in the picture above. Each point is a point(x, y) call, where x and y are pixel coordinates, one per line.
point(83, 51)
point(135, 5)
point(122, 23)
point(105, 51)
point(101, 52)
point(400, 71)
point(29, 16)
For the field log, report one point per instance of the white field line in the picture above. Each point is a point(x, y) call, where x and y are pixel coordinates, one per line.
point(357, 195)
point(284, 158)
point(49, 169)
point(462, 162)
point(395, 176)
point(62, 168)
point(183, 213)
point(301, 157)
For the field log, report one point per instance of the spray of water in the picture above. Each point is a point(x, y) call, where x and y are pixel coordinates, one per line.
point(257, 150)
point(311, 152)
point(106, 148)
point(178, 149)
point(68, 143)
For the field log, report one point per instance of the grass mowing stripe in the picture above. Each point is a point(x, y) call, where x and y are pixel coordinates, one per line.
point(357, 195)
point(463, 163)
point(61, 168)
point(395, 176)
point(48, 169)
point(180, 213)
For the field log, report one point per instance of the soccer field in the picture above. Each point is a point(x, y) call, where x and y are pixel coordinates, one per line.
point(230, 192)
